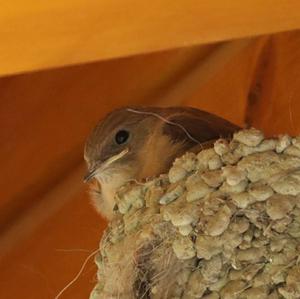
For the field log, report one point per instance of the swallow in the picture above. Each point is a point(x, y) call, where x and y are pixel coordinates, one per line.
point(134, 143)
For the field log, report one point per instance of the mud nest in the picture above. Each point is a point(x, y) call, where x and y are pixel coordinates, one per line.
point(223, 223)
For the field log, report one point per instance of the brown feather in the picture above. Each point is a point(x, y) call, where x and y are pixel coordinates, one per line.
point(157, 137)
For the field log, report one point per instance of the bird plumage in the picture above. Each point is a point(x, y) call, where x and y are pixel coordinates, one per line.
point(156, 136)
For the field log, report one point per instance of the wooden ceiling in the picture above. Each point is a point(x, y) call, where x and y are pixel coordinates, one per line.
point(47, 224)
point(47, 34)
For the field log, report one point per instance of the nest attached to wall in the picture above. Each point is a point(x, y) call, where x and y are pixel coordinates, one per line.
point(223, 223)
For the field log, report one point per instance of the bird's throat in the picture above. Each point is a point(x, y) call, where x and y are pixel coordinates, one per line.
point(104, 201)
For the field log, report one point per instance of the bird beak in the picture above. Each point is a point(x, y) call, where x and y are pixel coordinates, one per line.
point(103, 165)
point(91, 174)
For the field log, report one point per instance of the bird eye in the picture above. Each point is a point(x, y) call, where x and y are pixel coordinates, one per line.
point(121, 136)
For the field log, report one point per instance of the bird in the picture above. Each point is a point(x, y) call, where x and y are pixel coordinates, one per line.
point(135, 143)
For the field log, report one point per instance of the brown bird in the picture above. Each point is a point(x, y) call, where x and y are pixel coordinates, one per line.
point(134, 143)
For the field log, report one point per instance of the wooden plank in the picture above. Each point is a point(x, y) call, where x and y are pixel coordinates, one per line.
point(52, 255)
point(274, 104)
point(225, 92)
point(56, 197)
point(45, 34)
point(219, 83)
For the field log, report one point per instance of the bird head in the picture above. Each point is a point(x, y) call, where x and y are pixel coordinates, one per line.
point(134, 143)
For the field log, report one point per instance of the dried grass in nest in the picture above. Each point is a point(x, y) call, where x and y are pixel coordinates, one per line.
point(224, 223)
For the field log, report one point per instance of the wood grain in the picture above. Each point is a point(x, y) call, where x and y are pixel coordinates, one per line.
point(44, 34)
point(274, 104)
point(221, 84)
point(206, 84)
point(51, 256)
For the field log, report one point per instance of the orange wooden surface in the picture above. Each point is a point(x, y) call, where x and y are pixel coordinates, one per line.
point(40, 266)
point(45, 117)
point(275, 104)
point(225, 91)
point(42, 34)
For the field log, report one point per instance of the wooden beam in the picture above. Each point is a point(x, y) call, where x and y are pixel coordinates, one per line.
point(274, 104)
point(45, 34)
point(221, 83)
point(49, 244)
point(50, 204)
